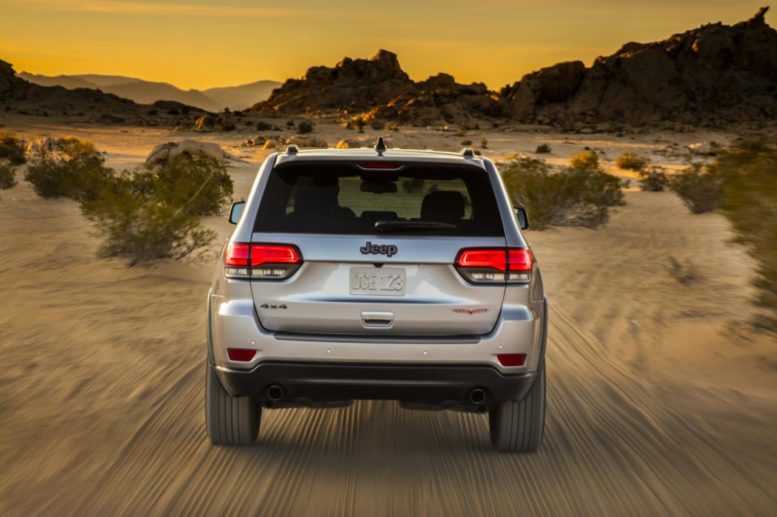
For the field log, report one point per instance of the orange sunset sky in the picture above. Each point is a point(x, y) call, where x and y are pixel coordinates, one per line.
point(199, 44)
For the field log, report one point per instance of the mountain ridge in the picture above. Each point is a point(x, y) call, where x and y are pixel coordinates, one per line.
point(216, 99)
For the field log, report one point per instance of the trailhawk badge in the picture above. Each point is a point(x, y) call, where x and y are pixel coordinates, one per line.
point(379, 249)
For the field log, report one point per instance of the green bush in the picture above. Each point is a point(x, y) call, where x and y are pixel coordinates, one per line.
point(749, 174)
point(653, 178)
point(12, 149)
point(542, 149)
point(7, 176)
point(631, 161)
point(263, 126)
point(700, 189)
point(155, 214)
point(67, 167)
point(579, 195)
point(201, 180)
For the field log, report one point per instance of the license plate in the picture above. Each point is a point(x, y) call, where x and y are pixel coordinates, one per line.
point(381, 281)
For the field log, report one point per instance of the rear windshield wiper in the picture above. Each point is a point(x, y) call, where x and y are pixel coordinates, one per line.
point(412, 226)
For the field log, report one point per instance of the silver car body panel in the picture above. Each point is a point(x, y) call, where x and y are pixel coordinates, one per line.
point(441, 319)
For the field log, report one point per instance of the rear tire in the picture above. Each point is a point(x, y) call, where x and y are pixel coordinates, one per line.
point(229, 420)
point(518, 425)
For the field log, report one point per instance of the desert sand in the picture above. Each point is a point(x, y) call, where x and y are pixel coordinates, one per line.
point(661, 398)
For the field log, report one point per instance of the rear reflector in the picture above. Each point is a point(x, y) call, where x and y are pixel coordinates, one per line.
point(512, 359)
point(240, 354)
point(261, 261)
point(495, 265)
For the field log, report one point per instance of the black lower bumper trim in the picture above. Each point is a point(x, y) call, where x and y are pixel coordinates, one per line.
point(325, 383)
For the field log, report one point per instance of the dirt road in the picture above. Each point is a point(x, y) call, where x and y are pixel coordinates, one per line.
point(654, 407)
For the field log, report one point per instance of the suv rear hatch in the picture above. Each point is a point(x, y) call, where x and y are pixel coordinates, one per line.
point(369, 248)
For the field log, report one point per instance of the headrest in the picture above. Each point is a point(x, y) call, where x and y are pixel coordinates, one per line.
point(310, 200)
point(445, 206)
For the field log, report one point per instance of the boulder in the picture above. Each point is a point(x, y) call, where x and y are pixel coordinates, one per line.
point(215, 122)
point(350, 143)
point(306, 141)
point(163, 153)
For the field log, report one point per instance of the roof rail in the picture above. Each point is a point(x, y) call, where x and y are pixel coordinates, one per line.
point(380, 147)
point(292, 149)
point(467, 152)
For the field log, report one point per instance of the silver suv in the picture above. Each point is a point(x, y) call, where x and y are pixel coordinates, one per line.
point(377, 274)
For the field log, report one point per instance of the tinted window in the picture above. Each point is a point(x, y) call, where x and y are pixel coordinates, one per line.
point(344, 199)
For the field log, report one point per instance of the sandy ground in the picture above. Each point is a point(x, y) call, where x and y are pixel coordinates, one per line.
point(661, 400)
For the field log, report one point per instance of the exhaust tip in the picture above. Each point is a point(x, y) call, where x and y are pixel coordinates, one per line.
point(274, 393)
point(477, 396)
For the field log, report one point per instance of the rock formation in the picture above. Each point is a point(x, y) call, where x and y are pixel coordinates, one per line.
point(711, 75)
point(379, 88)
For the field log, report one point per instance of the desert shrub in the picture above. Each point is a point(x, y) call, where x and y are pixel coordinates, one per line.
point(377, 124)
point(305, 126)
point(748, 170)
point(289, 123)
point(203, 181)
point(631, 161)
point(585, 161)
point(155, 213)
point(653, 178)
point(67, 167)
point(466, 142)
point(542, 149)
point(7, 176)
point(484, 143)
point(700, 190)
point(11, 149)
point(263, 126)
point(572, 196)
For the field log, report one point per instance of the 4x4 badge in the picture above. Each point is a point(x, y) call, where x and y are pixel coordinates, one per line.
point(379, 249)
point(477, 310)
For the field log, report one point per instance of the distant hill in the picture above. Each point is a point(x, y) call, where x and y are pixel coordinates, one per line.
point(67, 81)
point(148, 92)
point(243, 96)
point(91, 105)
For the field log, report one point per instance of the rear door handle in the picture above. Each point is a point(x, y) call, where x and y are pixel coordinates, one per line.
point(377, 319)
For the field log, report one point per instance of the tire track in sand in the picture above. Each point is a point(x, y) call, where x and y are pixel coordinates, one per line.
point(614, 444)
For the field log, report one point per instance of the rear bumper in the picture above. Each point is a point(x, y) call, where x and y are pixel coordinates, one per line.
point(311, 384)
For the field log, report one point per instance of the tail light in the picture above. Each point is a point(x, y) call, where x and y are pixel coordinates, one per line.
point(495, 265)
point(261, 261)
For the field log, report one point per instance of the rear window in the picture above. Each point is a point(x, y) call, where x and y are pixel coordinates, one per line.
point(345, 199)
